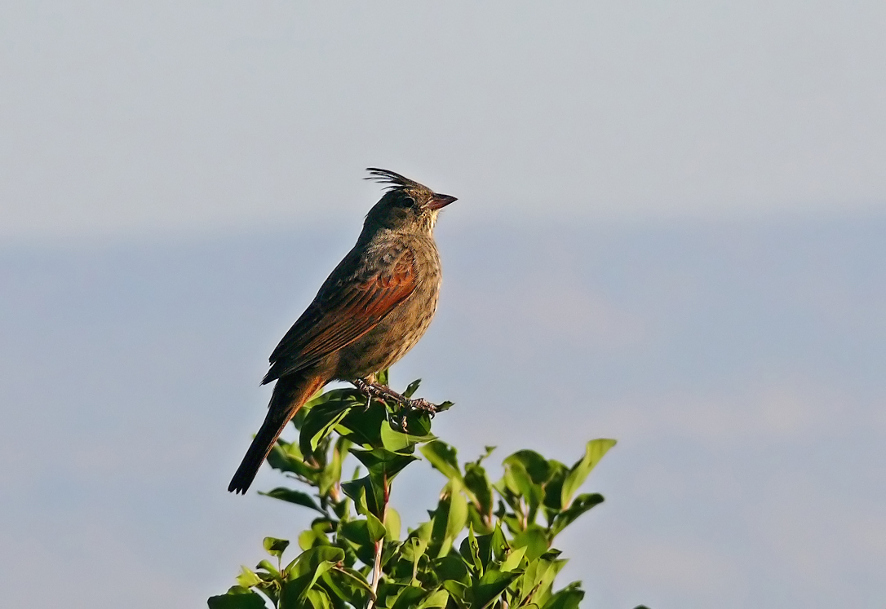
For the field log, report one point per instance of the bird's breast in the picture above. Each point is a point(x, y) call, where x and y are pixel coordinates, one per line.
point(400, 330)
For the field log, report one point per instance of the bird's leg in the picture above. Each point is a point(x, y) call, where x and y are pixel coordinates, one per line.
point(382, 392)
point(373, 390)
point(423, 405)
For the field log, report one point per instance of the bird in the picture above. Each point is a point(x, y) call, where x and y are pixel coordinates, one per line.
point(373, 308)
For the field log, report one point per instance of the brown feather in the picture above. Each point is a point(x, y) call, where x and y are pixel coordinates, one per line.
point(288, 397)
point(342, 312)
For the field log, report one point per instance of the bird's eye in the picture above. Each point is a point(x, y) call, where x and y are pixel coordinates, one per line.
point(406, 201)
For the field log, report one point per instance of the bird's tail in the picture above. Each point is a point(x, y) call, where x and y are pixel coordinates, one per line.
point(290, 394)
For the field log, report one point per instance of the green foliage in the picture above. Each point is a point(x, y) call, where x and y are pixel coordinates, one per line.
point(486, 544)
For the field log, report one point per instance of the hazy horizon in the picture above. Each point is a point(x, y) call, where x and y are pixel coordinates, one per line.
point(737, 365)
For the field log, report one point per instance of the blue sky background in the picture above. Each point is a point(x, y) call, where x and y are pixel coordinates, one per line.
point(671, 230)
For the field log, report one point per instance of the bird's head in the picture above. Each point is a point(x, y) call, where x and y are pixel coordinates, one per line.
point(407, 206)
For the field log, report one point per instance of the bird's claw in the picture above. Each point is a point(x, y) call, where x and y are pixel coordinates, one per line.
point(422, 405)
point(374, 390)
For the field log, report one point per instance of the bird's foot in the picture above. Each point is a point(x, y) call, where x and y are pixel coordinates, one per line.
point(374, 390)
point(423, 405)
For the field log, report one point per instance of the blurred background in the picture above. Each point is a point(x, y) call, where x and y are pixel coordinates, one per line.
point(671, 230)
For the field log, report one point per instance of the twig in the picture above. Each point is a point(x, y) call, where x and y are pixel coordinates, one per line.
point(379, 545)
point(376, 573)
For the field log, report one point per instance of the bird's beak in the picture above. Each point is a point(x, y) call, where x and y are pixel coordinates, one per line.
point(440, 201)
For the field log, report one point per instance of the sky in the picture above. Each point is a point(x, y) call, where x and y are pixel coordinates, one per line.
point(670, 230)
point(204, 116)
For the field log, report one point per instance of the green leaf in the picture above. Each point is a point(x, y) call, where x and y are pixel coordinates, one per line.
point(479, 485)
point(458, 592)
point(292, 496)
point(498, 543)
point(353, 577)
point(249, 600)
point(303, 572)
point(286, 457)
point(362, 425)
point(489, 450)
point(316, 598)
point(417, 422)
point(578, 473)
point(382, 462)
point(375, 530)
point(513, 523)
point(470, 550)
point(331, 474)
point(361, 538)
point(343, 394)
point(409, 597)
point(568, 598)
point(444, 406)
point(520, 484)
point(340, 588)
point(294, 592)
point(449, 520)
point(512, 562)
point(451, 567)
point(248, 578)
point(269, 568)
point(320, 422)
point(458, 517)
point(484, 543)
point(535, 465)
point(444, 458)
point(308, 539)
point(357, 490)
point(436, 600)
point(490, 587)
point(534, 539)
point(398, 441)
point(416, 545)
point(456, 588)
point(554, 487)
point(479, 522)
point(322, 526)
point(274, 546)
point(536, 580)
point(356, 531)
point(309, 561)
point(422, 532)
point(347, 585)
point(392, 525)
point(412, 388)
point(580, 505)
point(368, 497)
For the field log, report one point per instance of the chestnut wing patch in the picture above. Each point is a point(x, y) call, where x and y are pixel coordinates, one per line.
point(355, 298)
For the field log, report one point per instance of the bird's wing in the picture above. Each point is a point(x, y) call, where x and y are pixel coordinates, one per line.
point(352, 301)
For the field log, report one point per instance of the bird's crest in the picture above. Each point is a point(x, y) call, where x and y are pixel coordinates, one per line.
point(393, 180)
